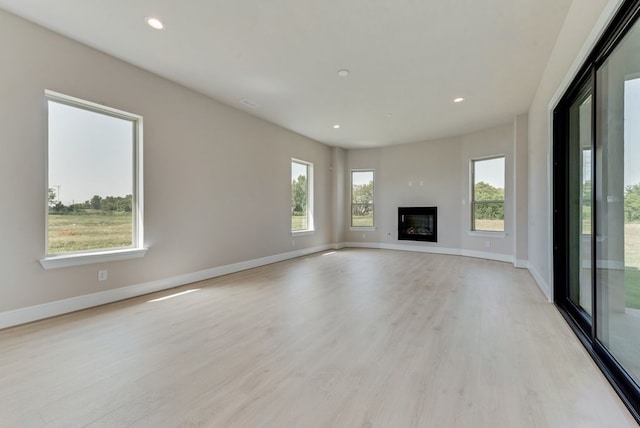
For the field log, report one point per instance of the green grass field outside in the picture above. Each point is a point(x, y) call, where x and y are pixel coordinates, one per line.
point(362, 220)
point(298, 222)
point(493, 225)
point(85, 232)
point(632, 288)
point(632, 264)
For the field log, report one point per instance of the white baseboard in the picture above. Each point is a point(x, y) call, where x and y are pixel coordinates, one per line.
point(489, 256)
point(542, 283)
point(401, 247)
point(73, 304)
point(60, 307)
point(521, 264)
point(434, 250)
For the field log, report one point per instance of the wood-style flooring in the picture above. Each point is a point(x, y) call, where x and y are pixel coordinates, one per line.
point(350, 338)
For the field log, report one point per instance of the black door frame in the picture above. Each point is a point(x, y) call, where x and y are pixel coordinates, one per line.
point(581, 323)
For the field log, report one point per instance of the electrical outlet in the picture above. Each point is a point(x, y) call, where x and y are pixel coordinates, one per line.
point(102, 275)
point(364, 235)
point(487, 244)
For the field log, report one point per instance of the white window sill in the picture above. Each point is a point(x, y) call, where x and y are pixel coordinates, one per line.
point(69, 260)
point(487, 234)
point(362, 229)
point(302, 232)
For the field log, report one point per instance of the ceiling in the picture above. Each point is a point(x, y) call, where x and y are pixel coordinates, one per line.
point(408, 59)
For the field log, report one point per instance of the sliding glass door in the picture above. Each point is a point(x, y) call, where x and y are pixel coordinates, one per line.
point(596, 198)
point(618, 203)
point(580, 201)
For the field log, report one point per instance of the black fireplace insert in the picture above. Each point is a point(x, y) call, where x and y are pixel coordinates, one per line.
point(418, 224)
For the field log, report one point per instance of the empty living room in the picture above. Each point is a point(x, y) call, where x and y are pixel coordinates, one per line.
point(320, 214)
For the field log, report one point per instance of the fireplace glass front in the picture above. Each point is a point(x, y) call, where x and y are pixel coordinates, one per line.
point(418, 224)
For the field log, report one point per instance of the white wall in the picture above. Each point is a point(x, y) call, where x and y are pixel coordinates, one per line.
point(225, 165)
point(489, 142)
point(217, 181)
point(363, 159)
point(520, 186)
point(339, 178)
point(436, 173)
point(421, 174)
point(583, 24)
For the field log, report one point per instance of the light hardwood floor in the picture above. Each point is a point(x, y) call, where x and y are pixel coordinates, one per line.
point(352, 338)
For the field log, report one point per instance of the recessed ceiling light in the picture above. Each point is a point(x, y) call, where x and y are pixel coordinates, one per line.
point(336, 126)
point(343, 73)
point(458, 100)
point(388, 115)
point(155, 23)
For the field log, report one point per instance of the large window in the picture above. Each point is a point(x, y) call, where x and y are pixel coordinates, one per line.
point(362, 198)
point(301, 196)
point(94, 187)
point(487, 194)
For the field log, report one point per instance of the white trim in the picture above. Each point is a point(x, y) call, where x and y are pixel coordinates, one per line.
point(601, 24)
point(487, 233)
point(374, 245)
point(68, 260)
point(472, 185)
point(400, 247)
point(73, 304)
point(304, 232)
point(542, 284)
point(488, 256)
point(52, 261)
point(489, 157)
point(310, 195)
point(138, 176)
point(422, 249)
point(90, 105)
point(522, 264)
point(60, 307)
point(433, 250)
point(364, 228)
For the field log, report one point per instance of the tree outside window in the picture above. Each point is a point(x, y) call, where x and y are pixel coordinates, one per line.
point(94, 186)
point(487, 206)
point(362, 196)
point(301, 196)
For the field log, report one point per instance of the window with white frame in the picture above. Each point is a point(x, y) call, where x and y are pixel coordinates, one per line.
point(362, 191)
point(94, 186)
point(301, 196)
point(487, 194)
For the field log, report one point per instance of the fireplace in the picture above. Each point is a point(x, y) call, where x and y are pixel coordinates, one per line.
point(418, 224)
